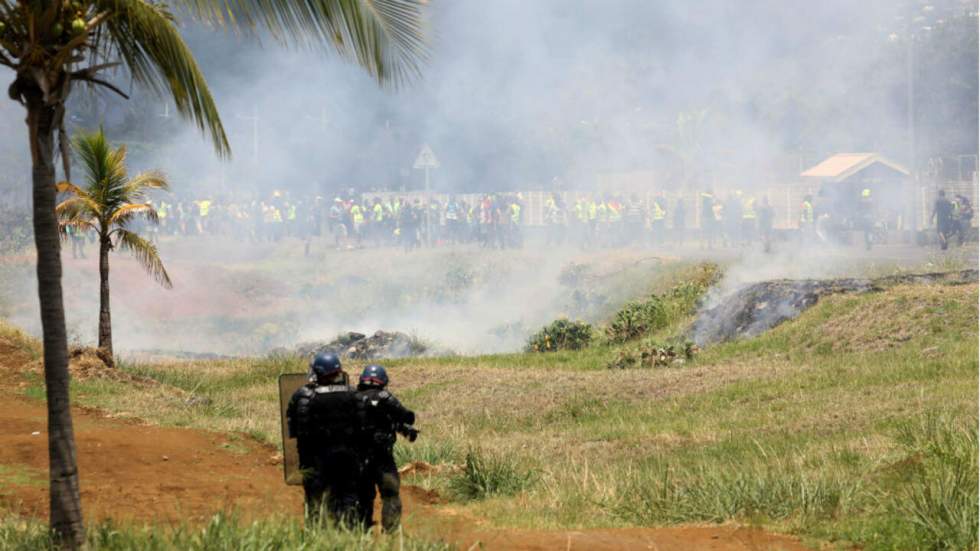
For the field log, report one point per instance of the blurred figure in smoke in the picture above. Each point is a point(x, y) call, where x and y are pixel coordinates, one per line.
point(77, 237)
point(748, 220)
point(865, 217)
point(962, 217)
point(807, 219)
point(708, 225)
point(733, 218)
point(554, 217)
point(337, 225)
point(658, 218)
point(382, 417)
point(680, 221)
point(942, 214)
point(765, 224)
point(635, 220)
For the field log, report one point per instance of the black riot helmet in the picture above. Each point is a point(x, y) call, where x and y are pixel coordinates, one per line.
point(324, 364)
point(373, 375)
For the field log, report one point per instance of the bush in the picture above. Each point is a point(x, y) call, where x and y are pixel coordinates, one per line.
point(636, 319)
point(642, 317)
point(561, 334)
point(486, 475)
point(654, 355)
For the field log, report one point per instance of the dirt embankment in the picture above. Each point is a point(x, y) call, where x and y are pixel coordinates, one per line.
point(137, 472)
point(758, 307)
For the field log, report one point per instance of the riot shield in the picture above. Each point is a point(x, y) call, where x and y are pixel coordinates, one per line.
point(289, 383)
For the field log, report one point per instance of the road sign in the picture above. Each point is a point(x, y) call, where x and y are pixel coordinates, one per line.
point(426, 158)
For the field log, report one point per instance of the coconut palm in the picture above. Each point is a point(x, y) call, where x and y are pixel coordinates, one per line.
point(53, 45)
point(107, 205)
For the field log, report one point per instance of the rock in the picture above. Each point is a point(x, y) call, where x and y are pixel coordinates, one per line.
point(357, 346)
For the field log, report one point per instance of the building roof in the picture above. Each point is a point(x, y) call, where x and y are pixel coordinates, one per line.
point(844, 165)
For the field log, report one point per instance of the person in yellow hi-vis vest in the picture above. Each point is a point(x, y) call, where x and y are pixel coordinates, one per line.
point(357, 217)
point(658, 218)
point(806, 218)
point(203, 210)
point(162, 212)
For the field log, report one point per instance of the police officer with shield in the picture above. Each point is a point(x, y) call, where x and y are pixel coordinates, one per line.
point(323, 417)
point(382, 415)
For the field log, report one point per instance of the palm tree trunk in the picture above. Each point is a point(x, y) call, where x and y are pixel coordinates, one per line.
point(105, 321)
point(66, 510)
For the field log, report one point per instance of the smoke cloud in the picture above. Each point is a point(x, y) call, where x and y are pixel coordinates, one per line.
point(517, 95)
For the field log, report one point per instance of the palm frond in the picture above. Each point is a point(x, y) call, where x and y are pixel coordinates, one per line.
point(153, 179)
point(386, 37)
point(124, 214)
point(145, 253)
point(78, 207)
point(145, 36)
point(68, 187)
point(63, 226)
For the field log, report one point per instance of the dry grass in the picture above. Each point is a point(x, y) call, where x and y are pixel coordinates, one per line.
point(820, 398)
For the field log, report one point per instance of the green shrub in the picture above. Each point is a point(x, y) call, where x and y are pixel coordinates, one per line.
point(485, 475)
point(654, 355)
point(639, 318)
point(561, 334)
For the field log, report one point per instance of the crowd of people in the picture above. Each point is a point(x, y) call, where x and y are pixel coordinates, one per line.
point(501, 220)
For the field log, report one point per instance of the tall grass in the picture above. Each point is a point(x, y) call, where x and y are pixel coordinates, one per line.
point(716, 492)
point(486, 475)
point(940, 499)
point(222, 533)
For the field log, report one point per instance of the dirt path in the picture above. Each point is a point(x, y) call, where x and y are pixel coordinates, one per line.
point(136, 472)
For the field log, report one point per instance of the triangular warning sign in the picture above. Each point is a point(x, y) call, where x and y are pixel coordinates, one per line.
point(426, 158)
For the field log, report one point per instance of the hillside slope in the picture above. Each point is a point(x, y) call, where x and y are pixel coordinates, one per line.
point(854, 424)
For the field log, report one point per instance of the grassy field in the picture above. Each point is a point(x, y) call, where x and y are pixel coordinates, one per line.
point(852, 425)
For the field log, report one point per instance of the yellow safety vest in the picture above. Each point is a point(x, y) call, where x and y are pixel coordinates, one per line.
point(658, 212)
point(515, 213)
point(807, 215)
point(748, 206)
point(379, 212)
point(356, 214)
point(204, 207)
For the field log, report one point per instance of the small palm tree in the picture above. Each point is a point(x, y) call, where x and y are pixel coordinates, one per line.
point(107, 205)
point(56, 46)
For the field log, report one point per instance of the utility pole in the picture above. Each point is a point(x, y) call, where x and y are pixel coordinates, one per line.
point(426, 160)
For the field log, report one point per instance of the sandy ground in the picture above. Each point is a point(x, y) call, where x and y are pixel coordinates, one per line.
point(136, 472)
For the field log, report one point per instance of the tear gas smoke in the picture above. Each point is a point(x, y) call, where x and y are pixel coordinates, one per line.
point(518, 95)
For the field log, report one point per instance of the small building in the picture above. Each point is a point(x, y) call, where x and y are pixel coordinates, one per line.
point(843, 178)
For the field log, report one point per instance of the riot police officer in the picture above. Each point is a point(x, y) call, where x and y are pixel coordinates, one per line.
point(323, 417)
point(382, 415)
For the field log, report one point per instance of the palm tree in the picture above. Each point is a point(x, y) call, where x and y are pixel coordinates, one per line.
point(107, 206)
point(52, 45)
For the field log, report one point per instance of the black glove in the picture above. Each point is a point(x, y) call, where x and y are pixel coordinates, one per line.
point(411, 433)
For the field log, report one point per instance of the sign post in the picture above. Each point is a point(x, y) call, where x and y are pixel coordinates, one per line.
point(425, 161)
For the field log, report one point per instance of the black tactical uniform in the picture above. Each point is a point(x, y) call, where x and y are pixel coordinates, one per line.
point(382, 415)
point(325, 421)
